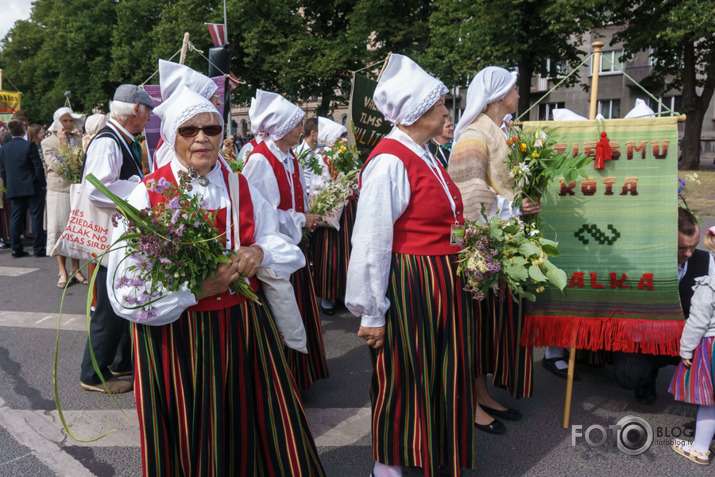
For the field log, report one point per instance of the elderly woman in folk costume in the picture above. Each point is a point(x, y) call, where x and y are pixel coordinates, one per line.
point(213, 389)
point(403, 284)
point(172, 76)
point(273, 169)
point(65, 129)
point(330, 247)
point(478, 167)
point(92, 126)
point(254, 117)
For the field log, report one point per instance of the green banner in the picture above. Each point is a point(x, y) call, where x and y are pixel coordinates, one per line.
point(617, 234)
point(369, 124)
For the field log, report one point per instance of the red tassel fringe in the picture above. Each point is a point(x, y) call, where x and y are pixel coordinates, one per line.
point(610, 334)
point(603, 152)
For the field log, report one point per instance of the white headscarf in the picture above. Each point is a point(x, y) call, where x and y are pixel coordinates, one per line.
point(56, 125)
point(329, 131)
point(405, 91)
point(92, 125)
point(173, 76)
point(641, 110)
point(273, 115)
point(181, 106)
point(489, 85)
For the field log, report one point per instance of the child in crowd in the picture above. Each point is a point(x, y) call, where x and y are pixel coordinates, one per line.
point(694, 380)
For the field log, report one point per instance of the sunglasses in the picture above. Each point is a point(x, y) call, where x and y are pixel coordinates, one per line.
point(193, 131)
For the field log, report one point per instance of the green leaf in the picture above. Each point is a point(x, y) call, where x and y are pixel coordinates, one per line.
point(517, 273)
point(535, 273)
point(519, 261)
point(556, 276)
point(528, 249)
point(550, 250)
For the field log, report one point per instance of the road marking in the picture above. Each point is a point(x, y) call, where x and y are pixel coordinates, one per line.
point(30, 429)
point(21, 319)
point(16, 271)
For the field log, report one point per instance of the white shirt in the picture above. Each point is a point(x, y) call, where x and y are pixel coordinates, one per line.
point(308, 174)
point(683, 268)
point(278, 254)
point(104, 160)
point(384, 196)
point(247, 149)
point(260, 174)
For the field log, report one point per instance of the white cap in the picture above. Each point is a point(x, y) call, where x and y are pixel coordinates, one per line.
point(56, 125)
point(181, 106)
point(173, 76)
point(329, 131)
point(405, 91)
point(273, 115)
point(489, 85)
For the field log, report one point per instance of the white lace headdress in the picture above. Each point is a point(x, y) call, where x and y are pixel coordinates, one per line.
point(405, 91)
point(489, 85)
point(329, 131)
point(173, 76)
point(181, 106)
point(273, 115)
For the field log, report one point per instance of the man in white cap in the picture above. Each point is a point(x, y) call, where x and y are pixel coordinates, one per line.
point(115, 158)
point(274, 170)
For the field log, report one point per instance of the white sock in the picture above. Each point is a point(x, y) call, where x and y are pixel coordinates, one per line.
point(382, 470)
point(559, 353)
point(327, 303)
point(704, 428)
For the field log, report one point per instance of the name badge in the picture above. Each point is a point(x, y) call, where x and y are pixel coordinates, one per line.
point(456, 234)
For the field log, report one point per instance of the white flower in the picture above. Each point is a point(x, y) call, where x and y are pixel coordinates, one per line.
point(534, 232)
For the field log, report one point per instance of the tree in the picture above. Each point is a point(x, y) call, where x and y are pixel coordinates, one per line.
point(682, 39)
point(467, 36)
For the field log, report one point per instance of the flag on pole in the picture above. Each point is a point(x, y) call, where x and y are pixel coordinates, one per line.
point(218, 33)
point(233, 81)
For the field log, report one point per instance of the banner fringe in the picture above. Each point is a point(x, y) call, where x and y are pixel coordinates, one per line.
point(610, 334)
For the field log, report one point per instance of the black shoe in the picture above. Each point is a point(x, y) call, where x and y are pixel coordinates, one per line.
point(509, 414)
point(19, 254)
point(646, 395)
point(494, 427)
point(328, 311)
point(550, 365)
point(41, 253)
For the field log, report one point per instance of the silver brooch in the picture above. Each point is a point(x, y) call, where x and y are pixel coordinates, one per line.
point(203, 181)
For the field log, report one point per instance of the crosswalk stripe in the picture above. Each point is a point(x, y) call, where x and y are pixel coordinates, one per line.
point(21, 319)
point(16, 271)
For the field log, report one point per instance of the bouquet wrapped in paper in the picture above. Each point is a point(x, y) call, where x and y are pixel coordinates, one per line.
point(331, 199)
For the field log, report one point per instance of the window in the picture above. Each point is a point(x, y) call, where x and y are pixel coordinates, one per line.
point(674, 103)
point(610, 63)
point(344, 120)
point(545, 111)
point(610, 108)
point(560, 67)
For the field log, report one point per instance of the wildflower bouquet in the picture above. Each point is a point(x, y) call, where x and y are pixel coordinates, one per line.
point(175, 243)
point(309, 160)
point(335, 193)
point(70, 159)
point(534, 163)
point(511, 252)
point(342, 158)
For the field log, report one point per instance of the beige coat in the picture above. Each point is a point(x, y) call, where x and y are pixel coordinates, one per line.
point(55, 181)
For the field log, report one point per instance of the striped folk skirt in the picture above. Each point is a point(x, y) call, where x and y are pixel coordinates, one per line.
point(422, 388)
point(307, 368)
point(331, 255)
point(695, 384)
point(215, 397)
point(498, 332)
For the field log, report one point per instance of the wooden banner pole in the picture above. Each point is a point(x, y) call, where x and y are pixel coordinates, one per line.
point(184, 47)
point(597, 45)
point(384, 65)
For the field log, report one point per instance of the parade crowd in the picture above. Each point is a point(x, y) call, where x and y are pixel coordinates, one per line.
point(217, 387)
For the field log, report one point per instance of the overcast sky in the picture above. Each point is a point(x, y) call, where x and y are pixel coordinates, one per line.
point(12, 11)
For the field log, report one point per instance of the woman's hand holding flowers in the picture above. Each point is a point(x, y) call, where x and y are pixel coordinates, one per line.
point(312, 221)
point(218, 282)
point(529, 207)
point(248, 259)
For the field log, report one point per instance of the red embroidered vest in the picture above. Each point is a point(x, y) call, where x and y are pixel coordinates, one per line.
point(286, 202)
point(247, 229)
point(425, 226)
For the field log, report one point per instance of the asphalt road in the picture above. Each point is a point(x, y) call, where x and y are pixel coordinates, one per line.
point(32, 442)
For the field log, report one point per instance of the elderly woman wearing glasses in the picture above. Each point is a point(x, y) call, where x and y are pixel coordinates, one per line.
point(404, 286)
point(213, 390)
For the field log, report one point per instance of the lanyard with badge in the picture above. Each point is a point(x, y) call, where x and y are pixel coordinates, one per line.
point(457, 230)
